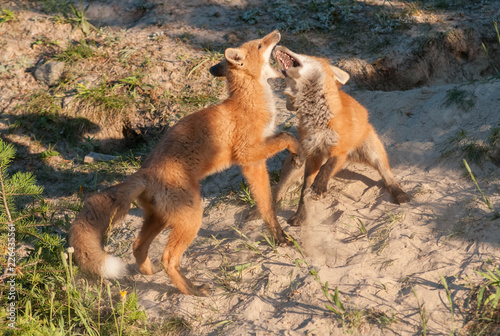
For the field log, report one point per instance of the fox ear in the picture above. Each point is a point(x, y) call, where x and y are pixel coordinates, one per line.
point(234, 56)
point(340, 75)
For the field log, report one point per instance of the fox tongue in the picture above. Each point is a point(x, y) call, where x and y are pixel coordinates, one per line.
point(285, 59)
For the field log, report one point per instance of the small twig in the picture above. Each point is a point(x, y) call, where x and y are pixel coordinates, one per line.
point(196, 67)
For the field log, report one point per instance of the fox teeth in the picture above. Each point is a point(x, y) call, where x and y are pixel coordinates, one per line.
point(285, 59)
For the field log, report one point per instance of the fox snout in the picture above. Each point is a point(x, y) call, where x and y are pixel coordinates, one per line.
point(275, 36)
point(219, 70)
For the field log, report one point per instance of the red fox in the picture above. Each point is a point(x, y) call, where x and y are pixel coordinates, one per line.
point(333, 129)
point(238, 131)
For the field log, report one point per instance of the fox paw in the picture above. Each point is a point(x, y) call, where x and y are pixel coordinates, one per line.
point(317, 191)
point(298, 219)
point(287, 240)
point(203, 290)
point(400, 196)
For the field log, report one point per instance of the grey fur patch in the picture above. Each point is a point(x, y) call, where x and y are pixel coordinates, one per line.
point(315, 114)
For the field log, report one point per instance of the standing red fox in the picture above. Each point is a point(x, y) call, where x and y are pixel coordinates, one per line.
point(238, 131)
point(333, 128)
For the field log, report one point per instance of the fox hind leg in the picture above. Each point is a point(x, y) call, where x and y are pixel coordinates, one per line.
point(153, 225)
point(372, 152)
point(312, 167)
point(331, 167)
point(185, 221)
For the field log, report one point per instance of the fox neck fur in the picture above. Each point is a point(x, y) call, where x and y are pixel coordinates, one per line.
point(257, 97)
point(317, 100)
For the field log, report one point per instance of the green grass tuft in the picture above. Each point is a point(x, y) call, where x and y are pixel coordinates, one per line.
point(463, 99)
point(6, 15)
point(77, 51)
point(106, 100)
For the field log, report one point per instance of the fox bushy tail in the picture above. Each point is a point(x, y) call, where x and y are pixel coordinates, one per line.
point(89, 228)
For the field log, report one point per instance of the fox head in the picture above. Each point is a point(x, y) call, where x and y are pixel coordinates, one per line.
point(251, 58)
point(299, 70)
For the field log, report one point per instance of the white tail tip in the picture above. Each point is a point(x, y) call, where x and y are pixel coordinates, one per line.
point(113, 267)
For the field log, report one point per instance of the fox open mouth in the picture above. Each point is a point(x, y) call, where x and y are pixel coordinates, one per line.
point(286, 60)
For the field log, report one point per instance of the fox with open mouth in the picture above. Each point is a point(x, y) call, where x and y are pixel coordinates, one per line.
point(333, 129)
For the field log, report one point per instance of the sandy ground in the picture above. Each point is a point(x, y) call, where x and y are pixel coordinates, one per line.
point(385, 260)
point(387, 271)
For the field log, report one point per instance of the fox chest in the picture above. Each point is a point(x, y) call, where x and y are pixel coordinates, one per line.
point(314, 118)
point(270, 123)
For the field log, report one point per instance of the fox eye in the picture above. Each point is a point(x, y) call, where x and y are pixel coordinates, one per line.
point(260, 46)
